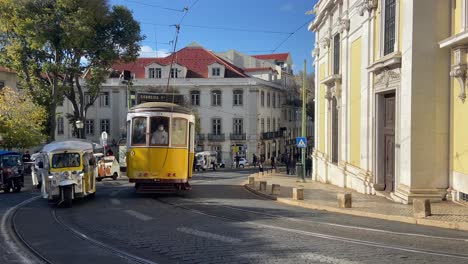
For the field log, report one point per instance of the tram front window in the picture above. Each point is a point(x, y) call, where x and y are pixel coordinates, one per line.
point(139, 131)
point(159, 131)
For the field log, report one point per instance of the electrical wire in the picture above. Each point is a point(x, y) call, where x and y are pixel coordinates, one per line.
point(155, 6)
point(291, 34)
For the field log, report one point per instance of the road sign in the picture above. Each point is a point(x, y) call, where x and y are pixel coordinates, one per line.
point(301, 142)
point(104, 138)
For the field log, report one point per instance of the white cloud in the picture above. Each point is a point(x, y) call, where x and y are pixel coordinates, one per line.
point(287, 7)
point(147, 51)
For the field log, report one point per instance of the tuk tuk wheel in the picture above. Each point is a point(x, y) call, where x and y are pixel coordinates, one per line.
point(17, 188)
point(6, 189)
point(115, 176)
point(67, 196)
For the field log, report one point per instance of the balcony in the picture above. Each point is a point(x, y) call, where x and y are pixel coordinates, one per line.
point(200, 137)
point(216, 137)
point(272, 135)
point(237, 136)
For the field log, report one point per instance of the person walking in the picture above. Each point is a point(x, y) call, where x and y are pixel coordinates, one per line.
point(293, 165)
point(273, 162)
point(308, 165)
point(254, 160)
point(286, 161)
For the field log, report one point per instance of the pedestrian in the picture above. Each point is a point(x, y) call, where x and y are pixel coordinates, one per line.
point(254, 160)
point(273, 163)
point(260, 165)
point(308, 165)
point(237, 161)
point(110, 153)
point(293, 165)
point(286, 161)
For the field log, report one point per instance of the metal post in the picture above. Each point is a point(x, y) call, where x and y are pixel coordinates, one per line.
point(304, 98)
point(129, 100)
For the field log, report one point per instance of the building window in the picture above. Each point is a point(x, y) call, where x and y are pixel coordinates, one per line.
point(274, 100)
point(105, 125)
point(268, 125)
point(195, 97)
point(216, 98)
point(268, 100)
point(155, 73)
point(263, 126)
point(216, 129)
point(238, 96)
point(60, 126)
point(238, 126)
point(89, 127)
point(174, 73)
point(104, 99)
point(262, 99)
point(336, 54)
point(334, 135)
point(389, 29)
point(215, 71)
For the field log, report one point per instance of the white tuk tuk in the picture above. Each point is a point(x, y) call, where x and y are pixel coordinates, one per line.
point(67, 169)
point(107, 167)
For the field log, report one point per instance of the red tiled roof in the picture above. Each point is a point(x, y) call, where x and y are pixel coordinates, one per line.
point(195, 59)
point(3, 69)
point(277, 56)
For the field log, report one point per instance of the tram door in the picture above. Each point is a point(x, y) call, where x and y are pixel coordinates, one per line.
point(190, 148)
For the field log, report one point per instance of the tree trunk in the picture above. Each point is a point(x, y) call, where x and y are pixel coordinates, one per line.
point(52, 121)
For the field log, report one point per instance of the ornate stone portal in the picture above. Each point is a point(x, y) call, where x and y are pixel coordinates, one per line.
point(459, 70)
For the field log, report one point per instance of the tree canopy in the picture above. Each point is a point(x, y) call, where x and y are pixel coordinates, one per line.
point(21, 120)
point(52, 44)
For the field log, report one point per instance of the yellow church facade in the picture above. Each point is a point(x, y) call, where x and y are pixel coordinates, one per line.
point(391, 113)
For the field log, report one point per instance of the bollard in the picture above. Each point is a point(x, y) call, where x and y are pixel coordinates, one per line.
point(421, 208)
point(275, 189)
point(344, 200)
point(252, 180)
point(262, 186)
point(298, 194)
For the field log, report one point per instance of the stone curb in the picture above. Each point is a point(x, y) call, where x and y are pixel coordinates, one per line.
point(405, 219)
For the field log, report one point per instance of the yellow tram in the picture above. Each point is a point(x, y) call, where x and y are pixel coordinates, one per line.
point(160, 147)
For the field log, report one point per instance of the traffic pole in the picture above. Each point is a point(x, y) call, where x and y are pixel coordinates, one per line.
point(304, 94)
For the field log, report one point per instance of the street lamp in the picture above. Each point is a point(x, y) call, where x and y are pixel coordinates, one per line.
point(79, 125)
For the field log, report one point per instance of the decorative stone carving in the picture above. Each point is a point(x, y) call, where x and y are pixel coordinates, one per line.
point(387, 76)
point(459, 71)
point(316, 51)
point(343, 25)
point(366, 5)
point(328, 94)
point(325, 42)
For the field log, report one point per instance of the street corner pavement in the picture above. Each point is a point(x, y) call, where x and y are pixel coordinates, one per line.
point(320, 196)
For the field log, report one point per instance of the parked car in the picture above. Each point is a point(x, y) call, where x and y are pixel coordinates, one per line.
point(242, 163)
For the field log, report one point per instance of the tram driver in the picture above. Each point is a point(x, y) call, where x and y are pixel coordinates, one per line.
point(160, 136)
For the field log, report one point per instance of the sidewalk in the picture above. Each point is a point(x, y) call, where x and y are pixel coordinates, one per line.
point(322, 196)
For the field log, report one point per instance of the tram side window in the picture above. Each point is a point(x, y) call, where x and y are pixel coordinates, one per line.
point(179, 132)
point(159, 131)
point(139, 131)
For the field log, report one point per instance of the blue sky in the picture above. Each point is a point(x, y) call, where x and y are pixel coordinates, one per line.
point(255, 19)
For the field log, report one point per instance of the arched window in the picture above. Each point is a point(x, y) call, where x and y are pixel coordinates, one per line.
point(238, 98)
point(216, 98)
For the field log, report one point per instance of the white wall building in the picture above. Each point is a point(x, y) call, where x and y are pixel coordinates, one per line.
point(237, 111)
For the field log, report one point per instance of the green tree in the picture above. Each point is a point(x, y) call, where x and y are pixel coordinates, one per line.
point(21, 120)
point(53, 44)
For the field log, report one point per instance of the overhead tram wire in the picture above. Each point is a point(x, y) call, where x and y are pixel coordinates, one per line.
point(156, 6)
point(290, 35)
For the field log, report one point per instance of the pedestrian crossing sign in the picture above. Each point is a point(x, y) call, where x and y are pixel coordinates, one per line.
point(301, 142)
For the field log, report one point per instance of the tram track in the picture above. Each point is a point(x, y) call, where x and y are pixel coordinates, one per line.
point(186, 206)
point(42, 258)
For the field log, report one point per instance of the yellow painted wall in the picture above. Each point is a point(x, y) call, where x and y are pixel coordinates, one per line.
point(456, 17)
point(460, 132)
point(376, 34)
point(400, 28)
point(321, 110)
point(355, 103)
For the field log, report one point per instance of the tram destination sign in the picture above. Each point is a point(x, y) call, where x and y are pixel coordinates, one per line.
point(160, 97)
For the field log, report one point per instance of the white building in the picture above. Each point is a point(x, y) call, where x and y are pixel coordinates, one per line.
point(239, 106)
